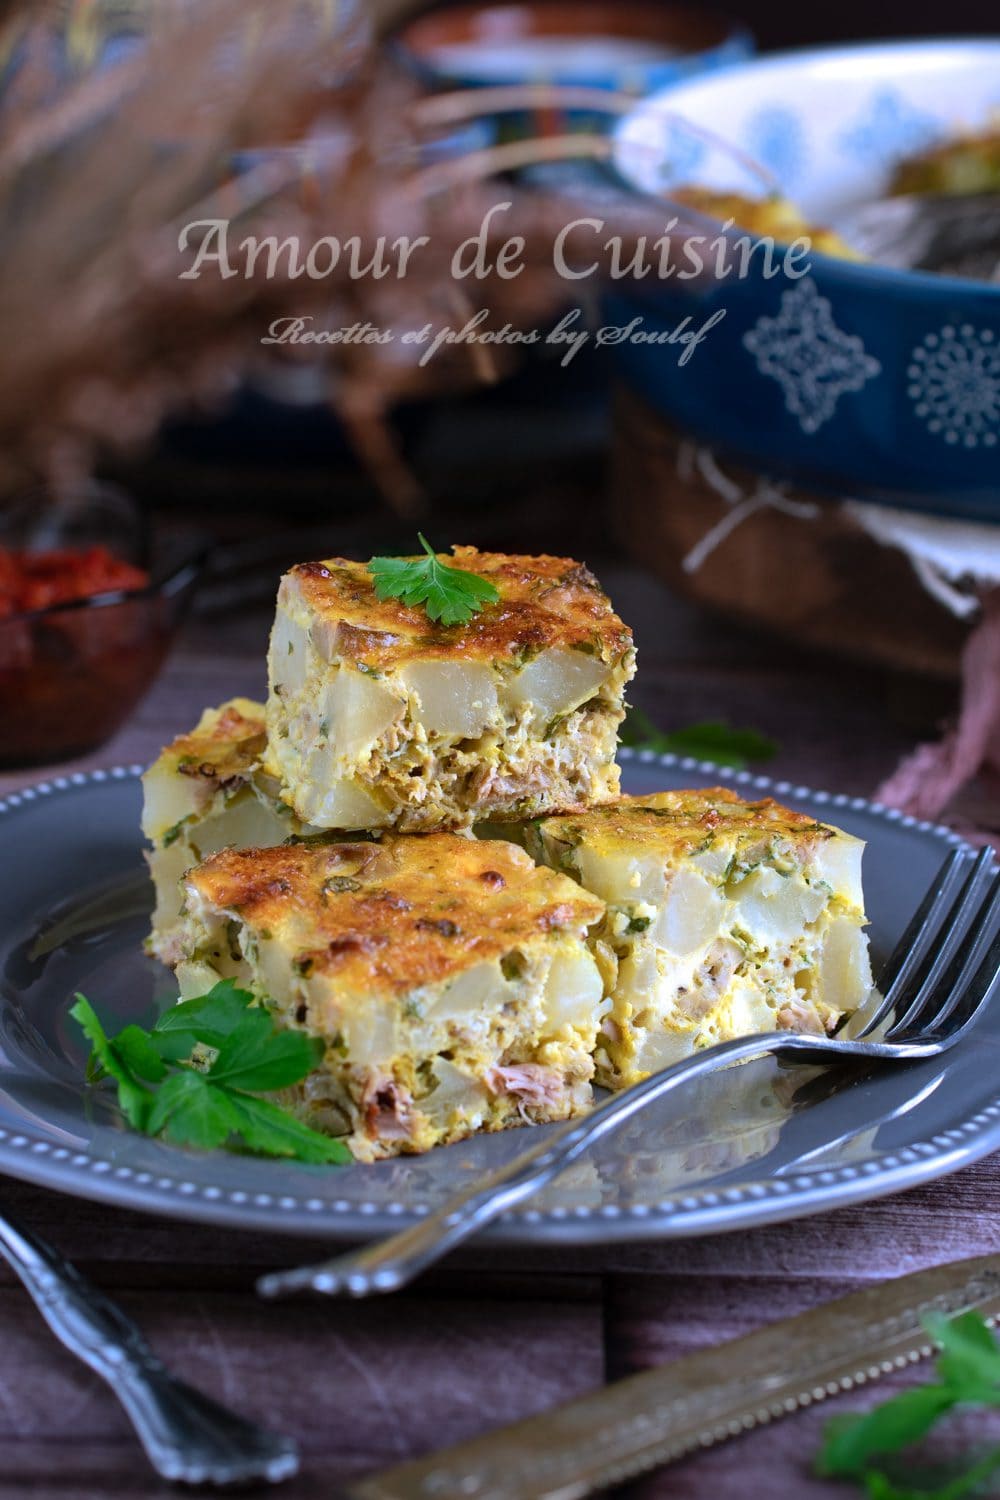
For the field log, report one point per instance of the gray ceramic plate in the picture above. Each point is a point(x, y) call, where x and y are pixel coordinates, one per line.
point(762, 1142)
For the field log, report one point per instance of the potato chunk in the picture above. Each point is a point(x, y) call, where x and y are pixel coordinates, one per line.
point(353, 712)
point(555, 683)
point(692, 913)
point(452, 698)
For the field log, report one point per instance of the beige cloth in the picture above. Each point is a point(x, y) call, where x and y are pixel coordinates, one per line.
point(955, 560)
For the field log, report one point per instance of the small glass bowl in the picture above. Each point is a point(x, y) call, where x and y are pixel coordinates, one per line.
point(71, 674)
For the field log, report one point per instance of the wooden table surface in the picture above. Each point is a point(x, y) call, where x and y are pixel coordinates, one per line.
point(492, 1336)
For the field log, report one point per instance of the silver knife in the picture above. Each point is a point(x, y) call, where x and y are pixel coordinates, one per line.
point(651, 1419)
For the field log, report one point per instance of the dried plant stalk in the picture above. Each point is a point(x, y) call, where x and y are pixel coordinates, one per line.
point(284, 121)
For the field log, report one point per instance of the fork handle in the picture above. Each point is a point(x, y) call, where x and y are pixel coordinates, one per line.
point(392, 1263)
point(186, 1435)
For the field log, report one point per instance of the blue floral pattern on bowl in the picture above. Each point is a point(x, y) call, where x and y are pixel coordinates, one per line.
point(890, 127)
point(777, 137)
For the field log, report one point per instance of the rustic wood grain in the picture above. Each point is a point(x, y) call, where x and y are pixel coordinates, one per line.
point(494, 1334)
point(360, 1385)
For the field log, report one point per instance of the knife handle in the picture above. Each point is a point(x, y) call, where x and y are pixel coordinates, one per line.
point(702, 1399)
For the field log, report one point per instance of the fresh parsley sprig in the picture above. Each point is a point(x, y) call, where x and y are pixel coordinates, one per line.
point(968, 1374)
point(712, 740)
point(195, 1078)
point(450, 596)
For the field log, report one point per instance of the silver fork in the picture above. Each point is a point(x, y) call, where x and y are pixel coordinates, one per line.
point(188, 1437)
point(932, 988)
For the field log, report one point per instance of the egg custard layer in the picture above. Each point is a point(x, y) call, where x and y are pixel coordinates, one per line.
point(208, 789)
point(377, 717)
point(723, 918)
point(449, 979)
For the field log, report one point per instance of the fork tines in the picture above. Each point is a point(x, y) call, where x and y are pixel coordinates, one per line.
point(950, 953)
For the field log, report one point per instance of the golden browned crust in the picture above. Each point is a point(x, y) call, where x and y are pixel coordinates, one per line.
point(678, 822)
point(544, 601)
point(223, 745)
point(392, 916)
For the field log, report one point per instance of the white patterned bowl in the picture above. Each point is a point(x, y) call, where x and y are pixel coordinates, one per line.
point(851, 378)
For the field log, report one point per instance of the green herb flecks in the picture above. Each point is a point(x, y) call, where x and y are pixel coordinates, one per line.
point(449, 595)
point(194, 1079)
point(712, 740)
point(968, 1375)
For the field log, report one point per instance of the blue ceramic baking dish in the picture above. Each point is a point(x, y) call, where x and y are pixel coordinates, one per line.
point(853, 378)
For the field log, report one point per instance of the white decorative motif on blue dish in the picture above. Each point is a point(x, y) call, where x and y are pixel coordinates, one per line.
point(775, 137)
point(954, 380)
point(813, 360)
point(889, 127)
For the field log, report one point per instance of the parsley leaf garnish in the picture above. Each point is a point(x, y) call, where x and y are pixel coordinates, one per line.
point(449, 595)
point(968, 1374)
point(106, 1061)
point(194, 1079)
point(712, 740)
